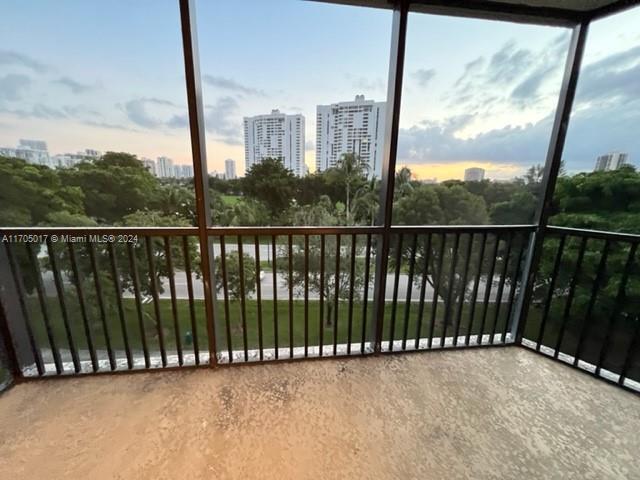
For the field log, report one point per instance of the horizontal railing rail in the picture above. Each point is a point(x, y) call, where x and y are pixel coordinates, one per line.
point(461, 228)
point(284, 230)
point(601, 234)
point(78, 231)
point(332, 230)
point(585, 309)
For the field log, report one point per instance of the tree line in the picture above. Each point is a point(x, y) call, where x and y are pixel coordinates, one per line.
point(117, 190)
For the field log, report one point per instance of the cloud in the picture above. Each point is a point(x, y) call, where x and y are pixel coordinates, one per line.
point(605, 117)
point(38, 110)
point(309, 145)
point(178, 121)
point(509, 62)
point(423, 76)
point(12, 86)
point(470, 68)
point(513, 77)
point(79, 111)
point(8, 57)
point(110, 126)
point(616, 77)
point(153, 112)
point(527, 91)
point(437, 142)
point(74, 86)
point(231, 85)
point(45, 111)
point(218, 120)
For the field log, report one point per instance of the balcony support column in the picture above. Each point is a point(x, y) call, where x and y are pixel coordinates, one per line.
point(551, 172)
point(200, 171)
point(12, 321)
point(392, 126)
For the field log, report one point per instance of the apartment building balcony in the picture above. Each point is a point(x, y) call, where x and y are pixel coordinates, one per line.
point(379, 350)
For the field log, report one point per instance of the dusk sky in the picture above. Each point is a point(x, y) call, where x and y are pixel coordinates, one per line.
point(110, 76)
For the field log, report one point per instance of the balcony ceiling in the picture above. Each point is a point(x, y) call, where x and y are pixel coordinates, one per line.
point(528, 11)
point(577, 5)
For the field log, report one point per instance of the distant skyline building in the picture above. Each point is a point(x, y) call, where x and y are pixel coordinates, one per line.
point(33, 144)
point(474, 174)
point(164, 167)
point(275, 135)
point(230, 169)
point(350, 127)
point(150, 165)
point(611, 161)
point(32, 151)
point(68, 160)
point(183, 171)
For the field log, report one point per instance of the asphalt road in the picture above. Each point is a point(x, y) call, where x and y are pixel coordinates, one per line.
point(282, 290)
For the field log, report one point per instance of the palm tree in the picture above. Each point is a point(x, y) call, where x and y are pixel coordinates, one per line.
point(351, 170)
point(403, 184)
point(366, 202)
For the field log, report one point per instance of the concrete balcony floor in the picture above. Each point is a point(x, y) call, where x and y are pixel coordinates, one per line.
point(489, 413)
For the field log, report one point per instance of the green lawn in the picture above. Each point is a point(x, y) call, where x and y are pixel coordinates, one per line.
point(251, 307)
point(620, 338)
point(231, 199)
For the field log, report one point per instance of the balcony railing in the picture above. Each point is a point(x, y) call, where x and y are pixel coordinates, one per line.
point(588, 311)
point(135, 300)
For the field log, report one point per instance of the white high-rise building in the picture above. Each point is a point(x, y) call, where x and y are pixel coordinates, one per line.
point(164, 167)
point(275, 135)
point(229, 169)
point(611, 161)
point(350, 127)
point(474, 174)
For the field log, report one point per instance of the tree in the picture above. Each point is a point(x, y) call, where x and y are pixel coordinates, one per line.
point(365, 205)
point(311, 187)
point(606, 201)
point(323, 213)
point(232, 267)
point(34, 195)
point(114, 186)
point(174, 199)
point(245, 212)
point(272, 184)
point(350, 173)
point(403, 185)
point(441, 205)
point(599, 200)
point(519, 209)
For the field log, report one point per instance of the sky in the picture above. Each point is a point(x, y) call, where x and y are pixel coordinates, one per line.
point(110, 76)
